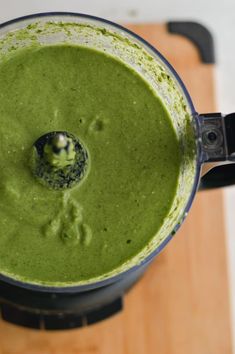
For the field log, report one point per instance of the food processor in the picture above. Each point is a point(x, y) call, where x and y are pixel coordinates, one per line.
point(204, 138)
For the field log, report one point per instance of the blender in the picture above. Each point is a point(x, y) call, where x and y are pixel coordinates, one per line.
point(212, 136)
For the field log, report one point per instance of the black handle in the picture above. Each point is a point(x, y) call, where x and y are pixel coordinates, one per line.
point(217, 135)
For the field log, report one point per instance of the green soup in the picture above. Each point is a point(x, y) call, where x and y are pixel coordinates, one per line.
point(65, 237)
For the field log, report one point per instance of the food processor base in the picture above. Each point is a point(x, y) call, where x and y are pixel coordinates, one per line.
point(52, 310)
point(50, 321)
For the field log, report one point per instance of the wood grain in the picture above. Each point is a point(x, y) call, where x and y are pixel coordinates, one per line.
point(181, 306)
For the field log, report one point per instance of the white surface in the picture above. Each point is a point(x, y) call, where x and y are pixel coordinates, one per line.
point(217, 15)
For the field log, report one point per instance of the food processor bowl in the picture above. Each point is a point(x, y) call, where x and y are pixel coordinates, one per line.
point(203, 138)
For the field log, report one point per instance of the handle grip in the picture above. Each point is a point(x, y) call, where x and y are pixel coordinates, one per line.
point(217, 137)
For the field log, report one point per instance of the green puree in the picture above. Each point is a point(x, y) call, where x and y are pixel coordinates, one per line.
point(64, 237)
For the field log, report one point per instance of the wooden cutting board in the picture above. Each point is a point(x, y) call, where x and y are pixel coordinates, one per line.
point(181, 306)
